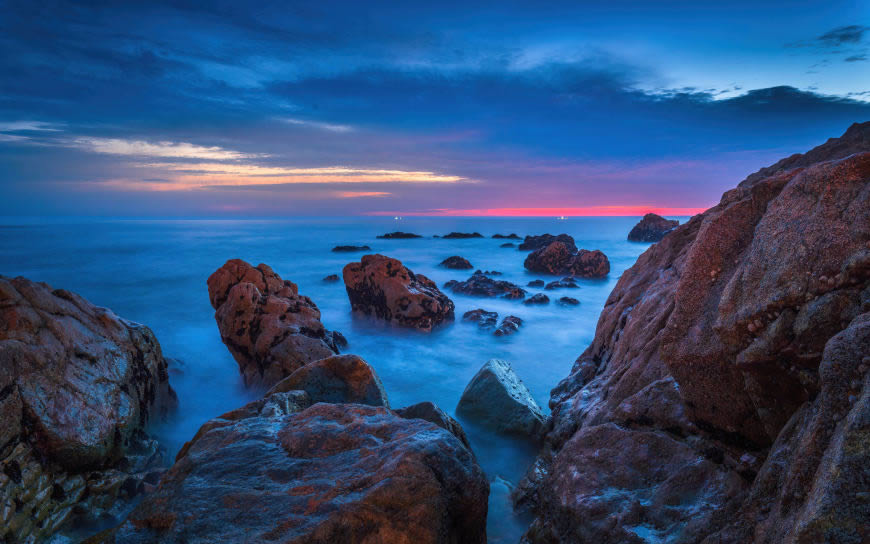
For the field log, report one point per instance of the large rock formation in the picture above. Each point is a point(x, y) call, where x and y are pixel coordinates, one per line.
point(559, 258)
point(383, 288)
point(279, 470)
point(725, 385)
point(652, 228)
point(77, 386)
point(270, 328)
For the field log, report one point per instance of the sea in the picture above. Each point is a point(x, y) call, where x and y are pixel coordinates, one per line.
point(154, 271)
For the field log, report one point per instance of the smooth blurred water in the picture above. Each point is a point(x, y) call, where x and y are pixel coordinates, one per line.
point(154, 272)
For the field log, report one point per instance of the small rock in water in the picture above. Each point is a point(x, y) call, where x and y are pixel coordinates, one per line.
point(538, 242)
point(564, 283)
point(511, 236)
point(509, 325)
point(398, 235)
point(456, 263)
point(331, 278)
point(652, 228)
point(481, 285)
point(462, 235)
point(538, 298)
point(484, 319)
point(569, 301)
point(488, 272)
point(350, 249)
point(498, 399)
point(536, 283)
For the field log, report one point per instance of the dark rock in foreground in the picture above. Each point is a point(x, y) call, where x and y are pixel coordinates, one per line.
point(398, 235)
point(538, 242)
point(456, 263)
point(430, 412)
point(351, 249)
point(557, 258)
point(496, 398)
point(652, 228)
point(78, 384)
point(332, 278)
point(509, 325)
point(511, 236)
point(462, 235)
point(537, 298)
point(482, 286)
point(383, 288)
point(484, 319)
point(270, 329)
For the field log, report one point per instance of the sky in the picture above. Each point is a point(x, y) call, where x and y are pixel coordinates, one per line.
point(224, 109)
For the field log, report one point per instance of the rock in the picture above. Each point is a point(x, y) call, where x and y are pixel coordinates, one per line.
point(456, 263)
point(398, 235)
point(383, 288)
point(542, 241)
point(497, 398)
point(331, 278)
point(462, 235)
point(651, 228)
point(509, 325)
point(564, 283)
point(328, 473)
point(78, 385)
point(569, 301)
point(350, 249)
point(270, 329)
point(508, 244)
point(730, 355)
point(488, 272)
point(482, 286)
point(536, 283)
point(538, 298)
point(511, 236)
point(484, 319)
point(338, 379)
point(557, 258)
point(430, 412)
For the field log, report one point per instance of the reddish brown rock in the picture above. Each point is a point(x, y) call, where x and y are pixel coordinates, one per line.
point(78, 384)
point(456, 263)
point(331, 473)
point(542, 241)
point(383, 288)
point(270, 328)
point(651, 228)
point(338, 379)
point(430, 412)
point(558, 258)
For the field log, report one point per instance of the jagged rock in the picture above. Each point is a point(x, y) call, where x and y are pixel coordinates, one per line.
point(332, 278)
point(456, 263)
point(398, 235)
point(350, 249)
point(537, 298)
point(484, 319)
point(328, 473)
point(339, 379)
point(509, 325)
point(538, 242)
point(558, 258)
point(462, 235)
point(78, 384)
point(564, 283)
point(508, 244)
point(511, 236)
point(726, 355)
point(569, 301)
point(482, 286)
point(383, 288)
point(497, 398)
point(652, 228)
point(430, 412)
point(536, 283)
point(270, 329)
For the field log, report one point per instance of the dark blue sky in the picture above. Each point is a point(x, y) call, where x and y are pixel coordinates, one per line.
point(223, 109)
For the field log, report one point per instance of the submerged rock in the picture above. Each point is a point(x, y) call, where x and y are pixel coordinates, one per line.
point(538, 242)
point(398, 235)
point(509, 325)
point(484, 319)
point(564, 283)
point(462, 235)
point(383, 288)
point(537, 298)
point(270, 329)
point(338, 379)
point(652, 228)
point(508, 244)
point(456, 263)
point(78, 384)
point(511, 236)
point(481, 285)
point(350, 249)
point(558, 258)
point(497, 398)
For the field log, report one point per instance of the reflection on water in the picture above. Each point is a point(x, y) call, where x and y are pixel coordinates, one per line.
point(155, 271)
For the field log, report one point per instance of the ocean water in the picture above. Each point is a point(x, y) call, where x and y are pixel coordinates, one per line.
point(155, 271)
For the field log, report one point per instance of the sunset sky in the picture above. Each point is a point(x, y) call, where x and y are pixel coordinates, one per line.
point(442, 108)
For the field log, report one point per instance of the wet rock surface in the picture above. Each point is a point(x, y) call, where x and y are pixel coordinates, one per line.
point(456, 263)
point(428, 411)
point(483, 318)
point(382, 288)
point(537, 298)
point(481, 285)
point(270, 329)
point(558, 258)
point(497, 398)
point(78, 384)
point(543, 240)
point(730, 354)
point(350, 249)
point(652, 228)
point(509, 325)
point(398, 235)
point(338, 379)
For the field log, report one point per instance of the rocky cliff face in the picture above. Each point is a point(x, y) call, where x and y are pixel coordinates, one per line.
point(77, 386)
point(724, 395)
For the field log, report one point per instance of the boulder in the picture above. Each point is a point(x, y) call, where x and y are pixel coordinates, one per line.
point(270, 329)
point(509, 325)
point(484, 319)
point(569, 301)
point(542, 241)
point(480, 285)
point(337, 379)
point(327, 473)
point(558, 258)
point(456, 263)
point(350, 249)
point(78, 385)
point(652, 228)
point(398, 235)
point(537, 298)
point(383, 288)
point(497, 398)
point(428, 411)
point(511, 236)
point(462, 235)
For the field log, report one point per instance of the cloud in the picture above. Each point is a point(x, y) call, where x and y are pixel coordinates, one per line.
point(29, 126)
point(856, 58)
point(331, 127)
point(360, 194)
point(584, 211)
point(844, 35)
point(141, 148)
